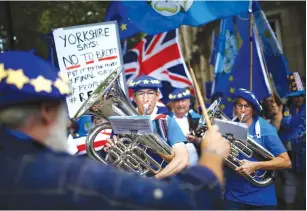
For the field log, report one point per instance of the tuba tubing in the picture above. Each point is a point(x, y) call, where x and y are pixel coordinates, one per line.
point(111, 101)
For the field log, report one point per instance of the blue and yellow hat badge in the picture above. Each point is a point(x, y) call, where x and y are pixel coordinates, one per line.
point(25, 77)
point(179, 94)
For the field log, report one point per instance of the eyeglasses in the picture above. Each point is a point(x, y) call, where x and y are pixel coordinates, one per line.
point(246, 106)
point(150, 94)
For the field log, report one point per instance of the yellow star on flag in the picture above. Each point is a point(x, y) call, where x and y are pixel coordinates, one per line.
point(179, 95)
point(232, 90)
point(62, 86)
point(231, 78)
point(229, 99)
point(146, 81)
point(123, 27)
point(3, 73)
point(41, 84)
point(222, 107)
point(17, 78)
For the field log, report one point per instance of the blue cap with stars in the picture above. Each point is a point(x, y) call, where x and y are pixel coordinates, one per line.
point(26, 78)
point(145, 82)
point(250, 97)
point(179, 94)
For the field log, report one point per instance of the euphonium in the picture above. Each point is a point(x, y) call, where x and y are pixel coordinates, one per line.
point(132, 152)
point(249, 148)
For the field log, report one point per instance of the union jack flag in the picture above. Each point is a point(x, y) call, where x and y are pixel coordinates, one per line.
point(158, 56)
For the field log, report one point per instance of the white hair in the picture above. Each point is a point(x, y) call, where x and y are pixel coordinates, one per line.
point(20, 116)
point(57, 139)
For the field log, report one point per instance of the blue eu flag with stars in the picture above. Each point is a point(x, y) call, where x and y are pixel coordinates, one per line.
point(117, 12)
point(239, 76)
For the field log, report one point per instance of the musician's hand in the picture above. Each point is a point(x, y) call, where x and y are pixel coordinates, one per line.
point(214, 141)
point(178, 163)
point(110, 143)
point(247, 167)
point(193, 139)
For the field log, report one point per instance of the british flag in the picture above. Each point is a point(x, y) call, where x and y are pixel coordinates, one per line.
point(158, 56)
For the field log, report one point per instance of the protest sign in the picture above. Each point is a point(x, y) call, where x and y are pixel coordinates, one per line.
point(87, 54)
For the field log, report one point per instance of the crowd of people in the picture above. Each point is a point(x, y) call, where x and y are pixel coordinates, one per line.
point(39, 173)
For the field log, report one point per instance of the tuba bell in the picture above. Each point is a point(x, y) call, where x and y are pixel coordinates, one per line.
point(132, 152)
point(248, 149)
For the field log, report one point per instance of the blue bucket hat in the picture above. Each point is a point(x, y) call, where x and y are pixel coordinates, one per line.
point(295, 85)
point(26, 78)
point(250, 97)
point(145, 82)
point(179, 94)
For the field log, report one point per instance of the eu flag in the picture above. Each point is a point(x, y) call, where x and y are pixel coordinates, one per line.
point(117, 12)
point(154, 17)
point(227, 50)
point(275, 61)
point(239, 76)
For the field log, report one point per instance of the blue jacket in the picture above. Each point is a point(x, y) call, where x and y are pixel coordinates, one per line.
point(293, 130)
point(33, 177)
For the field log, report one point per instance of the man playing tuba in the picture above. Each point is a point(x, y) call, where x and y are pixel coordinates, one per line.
point(239, 192)
point(145, 96)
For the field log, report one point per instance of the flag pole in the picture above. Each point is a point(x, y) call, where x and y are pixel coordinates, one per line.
point(264, 63)
point(251, 50)
point(197, 89)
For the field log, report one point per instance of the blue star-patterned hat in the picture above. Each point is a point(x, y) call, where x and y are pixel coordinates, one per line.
point(295, 85)
point(25, 78)
point(179, 94)
point(250, 97)
point(145, 82)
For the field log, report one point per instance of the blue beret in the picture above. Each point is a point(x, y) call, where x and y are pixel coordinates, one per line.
point(145, 82)
point(179, 94)
point(295, 85)
point(250, 97)
point(25, 78)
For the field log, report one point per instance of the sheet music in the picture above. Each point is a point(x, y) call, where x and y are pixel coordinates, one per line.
point(131, 124)
point(237, 129)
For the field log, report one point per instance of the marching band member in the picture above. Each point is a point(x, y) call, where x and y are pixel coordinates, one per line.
point(239, 192)
point(187, 118)
point(145, 96)
point(39, 174)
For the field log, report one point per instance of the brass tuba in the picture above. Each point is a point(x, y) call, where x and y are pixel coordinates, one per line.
point(249, 148)
point(132, 152)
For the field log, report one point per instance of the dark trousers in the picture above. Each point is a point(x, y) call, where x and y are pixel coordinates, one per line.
point(232, 205)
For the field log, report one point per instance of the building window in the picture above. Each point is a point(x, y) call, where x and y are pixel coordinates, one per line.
point(275, 25)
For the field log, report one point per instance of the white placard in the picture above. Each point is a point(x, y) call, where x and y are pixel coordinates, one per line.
point(87, 54)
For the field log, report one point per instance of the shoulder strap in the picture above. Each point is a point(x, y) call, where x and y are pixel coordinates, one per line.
point(258, 129)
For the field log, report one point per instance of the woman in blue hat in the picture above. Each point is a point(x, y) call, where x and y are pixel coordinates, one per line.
point(239, 192)
point(293, 134)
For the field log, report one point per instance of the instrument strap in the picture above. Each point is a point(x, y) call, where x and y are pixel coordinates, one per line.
point(257, 129)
